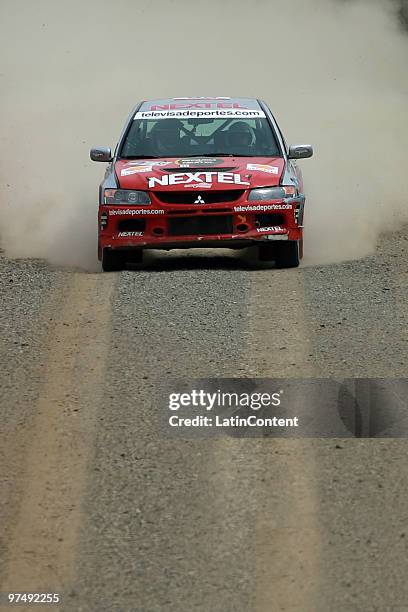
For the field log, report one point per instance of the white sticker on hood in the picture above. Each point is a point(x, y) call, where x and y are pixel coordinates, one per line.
point(199, 186)
point(148, 162)
point(135, 170)
point(191, 178)
point(263, 168)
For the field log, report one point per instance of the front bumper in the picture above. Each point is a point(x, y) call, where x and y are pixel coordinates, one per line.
point(172, 227)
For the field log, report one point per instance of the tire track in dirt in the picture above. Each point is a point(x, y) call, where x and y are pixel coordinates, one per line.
point(287, 539)
point(42, 548)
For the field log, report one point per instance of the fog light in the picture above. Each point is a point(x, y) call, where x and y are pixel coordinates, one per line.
point(242, 227)
point(158, 231)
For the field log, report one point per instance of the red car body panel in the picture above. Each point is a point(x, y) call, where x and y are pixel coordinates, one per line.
point(221, 174)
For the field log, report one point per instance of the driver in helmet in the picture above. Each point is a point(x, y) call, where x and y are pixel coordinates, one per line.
point(166, 137)
point(239, 136)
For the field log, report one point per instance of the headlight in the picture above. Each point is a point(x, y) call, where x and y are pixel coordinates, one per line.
point(273, 193)
point(125, 196)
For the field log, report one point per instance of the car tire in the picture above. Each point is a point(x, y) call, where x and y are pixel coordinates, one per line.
point(135, 256)
point(266, 252)
point(287, 254)
point(112, 261)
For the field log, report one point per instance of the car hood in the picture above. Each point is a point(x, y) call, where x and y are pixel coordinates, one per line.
point(217, 173)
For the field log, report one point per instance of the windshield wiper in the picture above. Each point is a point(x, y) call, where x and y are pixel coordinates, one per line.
point(247, 154)
point(139, 157)
point(229, 154)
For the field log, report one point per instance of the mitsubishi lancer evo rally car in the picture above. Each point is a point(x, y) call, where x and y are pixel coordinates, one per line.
point(201, 172)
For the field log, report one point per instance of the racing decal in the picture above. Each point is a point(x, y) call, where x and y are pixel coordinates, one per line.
point(135, 170)
point(129, 234)
point(199, 186)
point(263, 168)
point(191, 178)
point(262, 207)
point(135, 211)
point(272, 228)
point(198, 161)
point(196, 106)
point(148, 162)
point(136, 167)
point(196, 114)
point(205, 98)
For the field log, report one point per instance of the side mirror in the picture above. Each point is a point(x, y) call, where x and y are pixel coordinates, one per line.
point(101, 154)
point(300, 151)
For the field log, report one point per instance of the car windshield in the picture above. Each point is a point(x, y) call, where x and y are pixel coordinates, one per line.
point(199, 137)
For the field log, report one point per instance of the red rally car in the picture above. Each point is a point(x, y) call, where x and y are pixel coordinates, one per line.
point(201, 172)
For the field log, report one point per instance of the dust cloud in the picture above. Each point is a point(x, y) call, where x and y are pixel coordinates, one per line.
point(334, 73)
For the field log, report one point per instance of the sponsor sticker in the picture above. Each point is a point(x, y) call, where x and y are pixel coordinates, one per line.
point(134, 211)
point(262, 207)
point(205, 98)
point(129, 234)
point(191, 178)
point(201, 104)
point(135, 167)
point(199, 186)
point(263, 168)
point(148, 162)
point(135, 170)
point(197, 161)
point(197, 114)
point(272, 228)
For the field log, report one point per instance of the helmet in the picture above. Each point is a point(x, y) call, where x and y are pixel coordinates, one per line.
point(239, 134)
point(165, 136)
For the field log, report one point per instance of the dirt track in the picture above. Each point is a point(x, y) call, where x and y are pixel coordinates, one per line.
point(99, 504)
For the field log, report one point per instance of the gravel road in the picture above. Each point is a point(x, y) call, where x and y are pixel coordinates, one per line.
point(99, 504)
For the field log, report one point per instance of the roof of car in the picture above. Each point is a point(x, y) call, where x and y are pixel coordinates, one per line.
point(213, 102)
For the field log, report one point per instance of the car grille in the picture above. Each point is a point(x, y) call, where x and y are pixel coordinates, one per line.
point(204, 197)
point(132, 225)
point(200, 226)
point(264, 220)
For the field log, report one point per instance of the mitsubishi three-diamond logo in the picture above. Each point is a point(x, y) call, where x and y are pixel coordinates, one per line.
point(199, 200)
